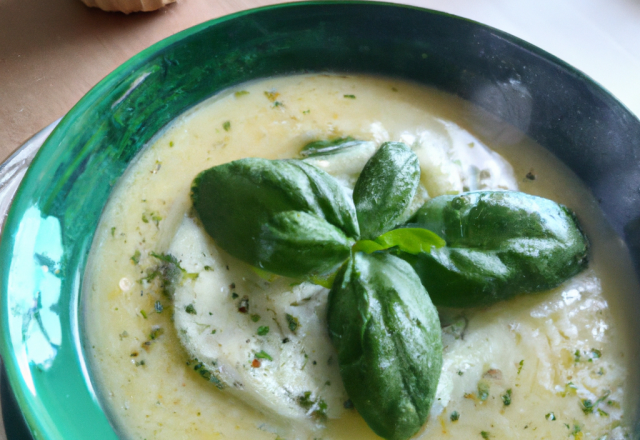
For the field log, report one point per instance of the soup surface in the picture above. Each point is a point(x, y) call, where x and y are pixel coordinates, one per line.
point(556, 364)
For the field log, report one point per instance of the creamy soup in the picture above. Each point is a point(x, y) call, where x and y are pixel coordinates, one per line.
point(556, 364)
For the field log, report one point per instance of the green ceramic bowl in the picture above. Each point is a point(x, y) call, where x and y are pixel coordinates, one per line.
point(50, 228)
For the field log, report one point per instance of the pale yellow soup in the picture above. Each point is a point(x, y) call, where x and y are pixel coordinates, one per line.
point(548, 352)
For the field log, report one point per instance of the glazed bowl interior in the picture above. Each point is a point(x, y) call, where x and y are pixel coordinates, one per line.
point(57, 208)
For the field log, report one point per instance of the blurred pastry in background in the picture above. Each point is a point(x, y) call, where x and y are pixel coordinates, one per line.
point(127, 6)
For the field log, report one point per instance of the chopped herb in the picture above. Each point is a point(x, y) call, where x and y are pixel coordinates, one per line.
point(143, 313)
point(226, 125)
point(171, 144)
point(159, 307)
point(483, 390)
point(394, 89)
point(271, 96)
point(113, 231)
point(530, 175)
point(506, 398)
point(278, 104)
point(292, 322)
point(484, 434)
point(208, 268)
point(263, 330)
point(613, 404)
point(319, 406)
point(262, 355)
point(144, 218)
point(190, 309)
point(240, 93)
point(460, 373)
point(595, 353)
point(576, 356)
point(550, 416)
point(569, 390)
point(156, 332)
point(306, 112)
point(156, 218)
point(521, 365)
point(206, 374)
point(234, 295)
point(136, 257)
point(603, 413)
point(213, 332)
point(123, 335)
point(350, 96)
point(455, 416)
point(587, 406)
point(255, 317)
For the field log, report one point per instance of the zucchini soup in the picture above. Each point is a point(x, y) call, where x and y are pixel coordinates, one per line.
point(185, 341)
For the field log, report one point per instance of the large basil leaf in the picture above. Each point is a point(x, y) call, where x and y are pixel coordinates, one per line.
point(387, 335)
point(499, 244)
point(249, 208)
point(385, 189)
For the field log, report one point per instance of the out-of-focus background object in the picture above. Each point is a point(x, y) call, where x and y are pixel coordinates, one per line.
point(127, 6)
point(52, 52)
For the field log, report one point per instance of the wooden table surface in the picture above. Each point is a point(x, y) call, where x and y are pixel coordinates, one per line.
point(53, 51)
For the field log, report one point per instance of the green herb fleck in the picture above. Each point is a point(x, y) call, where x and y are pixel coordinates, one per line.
point(263, 330)
point(113, 231)
point(603, 413)
point(278, 104)
point(576, 356)
point(240, 93)
point(307, 402)
point(550, 416)
point(350, 96)
point(255, 317)
point(483, 390)
point(190, 309)
point(213, 332)
point(306, 112)
point(136, 257)
point(595, 353)
point(263, 355)
point(292, 322)
point(156, 332)
point(506, 398)
point(484, 434)
point(144, 314)
point(208, 268)
point(460, 373)
point(234, 295)
point(226, 125)
point(144, 218)
point(159, 307)
point(171, 144)
point(455, 416)
point(521, 365)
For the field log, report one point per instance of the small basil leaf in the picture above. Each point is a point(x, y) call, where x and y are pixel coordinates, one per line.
point(320, 148)
point(239, 205)
point(385, 189)
point(499, 244)
point(387, 335)
point(411, 240)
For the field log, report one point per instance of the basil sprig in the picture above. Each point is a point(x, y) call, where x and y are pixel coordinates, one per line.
point(385, 189)
point(290, 218)
point(284, 216)
point(387, 335)
point(499, 244)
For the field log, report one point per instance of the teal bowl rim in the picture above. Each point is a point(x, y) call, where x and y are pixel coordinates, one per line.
point(40, 424)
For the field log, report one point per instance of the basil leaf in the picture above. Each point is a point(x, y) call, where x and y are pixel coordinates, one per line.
point(385, 189)
point(321, 148)
point(499, 244)
point(387, 335)
point(247, 207)
point(410, 240)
